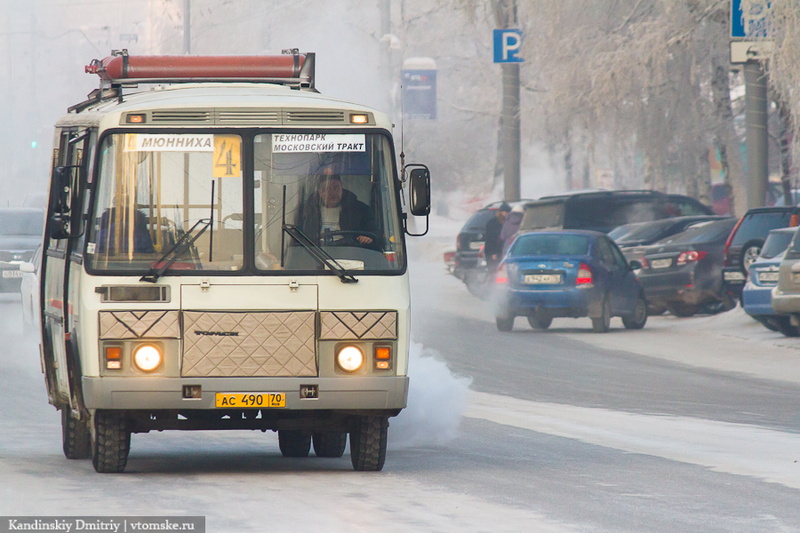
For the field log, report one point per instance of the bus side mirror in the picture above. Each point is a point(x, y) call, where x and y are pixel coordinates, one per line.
point(420, 191)
point(62, 200)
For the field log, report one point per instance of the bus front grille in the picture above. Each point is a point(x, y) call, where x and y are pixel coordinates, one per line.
point(249, 344)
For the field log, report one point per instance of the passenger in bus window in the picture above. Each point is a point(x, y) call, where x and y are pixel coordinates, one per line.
point(108, 233)
point(334, 215)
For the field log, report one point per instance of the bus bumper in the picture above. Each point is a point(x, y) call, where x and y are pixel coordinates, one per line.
point(351, 393)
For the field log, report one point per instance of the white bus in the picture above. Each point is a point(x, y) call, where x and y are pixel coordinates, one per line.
point(225, 249)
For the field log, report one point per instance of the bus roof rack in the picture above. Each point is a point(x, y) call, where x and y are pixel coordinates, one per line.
point(292, 69)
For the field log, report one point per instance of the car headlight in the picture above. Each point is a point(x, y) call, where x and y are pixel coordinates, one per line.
point(147, 357)
point(350, 358)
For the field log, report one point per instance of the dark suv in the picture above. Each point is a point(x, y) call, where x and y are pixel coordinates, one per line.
point(605, 210)
point(745, 242)
point(471, 239)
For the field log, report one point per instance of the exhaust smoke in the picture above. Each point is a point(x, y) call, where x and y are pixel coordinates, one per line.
point(437, 400)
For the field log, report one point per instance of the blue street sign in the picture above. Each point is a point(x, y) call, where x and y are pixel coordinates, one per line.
point(507, 46)
point(419, 93)
point(749, 19)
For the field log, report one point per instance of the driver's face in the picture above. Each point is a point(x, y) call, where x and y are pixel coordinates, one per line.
point(330, 192)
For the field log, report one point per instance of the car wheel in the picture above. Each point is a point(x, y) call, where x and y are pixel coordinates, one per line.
point(540, 322)
point(785, 327)
point(715, 308)
point(112, 442)
point(682, 310)
point(294, 443)
point(769, 322)
point(638, 318)
point(750, 252)
point(329, 444)
point(504, 323)
point(368, 443)
point(602, 323)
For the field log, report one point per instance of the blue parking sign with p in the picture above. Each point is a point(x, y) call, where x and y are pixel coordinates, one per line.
point(507, 46)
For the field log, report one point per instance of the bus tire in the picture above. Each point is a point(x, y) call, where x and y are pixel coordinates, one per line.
point(368, 443)
point(75, 436)
point(294, 443)
point(329, 444)
point(112, 442)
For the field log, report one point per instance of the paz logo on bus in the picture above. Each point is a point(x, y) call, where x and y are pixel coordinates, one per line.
point(216, 333)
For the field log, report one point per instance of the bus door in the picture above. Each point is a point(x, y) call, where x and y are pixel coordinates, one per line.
point(62, 366)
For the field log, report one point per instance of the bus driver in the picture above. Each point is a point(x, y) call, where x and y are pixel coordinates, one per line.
point(333, 208)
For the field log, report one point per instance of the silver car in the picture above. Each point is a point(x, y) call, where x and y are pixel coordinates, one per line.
point(21, 231)
point(29, 292)
point(786, 294)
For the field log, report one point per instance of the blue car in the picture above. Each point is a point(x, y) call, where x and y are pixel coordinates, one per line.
point(762, 277)
point(568, 273)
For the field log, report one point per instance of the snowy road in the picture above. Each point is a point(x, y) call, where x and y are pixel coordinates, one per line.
point(687, 425)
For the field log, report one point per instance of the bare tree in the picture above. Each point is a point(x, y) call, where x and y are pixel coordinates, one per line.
point(639, 75)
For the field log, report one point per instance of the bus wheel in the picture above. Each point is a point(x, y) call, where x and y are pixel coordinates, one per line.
point(294, 443)
point(368, 443)
point(330, 444)
point(75, 436)
point(112, 442)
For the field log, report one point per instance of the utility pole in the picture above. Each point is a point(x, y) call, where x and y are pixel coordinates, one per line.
point(385, 69)
point(756, 133)
point(750, 43)
point(187, 27)
point(511, 132)
point(506, 17)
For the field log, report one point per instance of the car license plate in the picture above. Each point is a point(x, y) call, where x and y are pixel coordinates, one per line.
point(12, 273)
point(767, 277)
point(543, 279)
point(251, 399)
point(733, 276)
point(475, 245)
point(661, 263)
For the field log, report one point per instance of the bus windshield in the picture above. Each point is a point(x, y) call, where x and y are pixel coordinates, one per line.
point(245, 203)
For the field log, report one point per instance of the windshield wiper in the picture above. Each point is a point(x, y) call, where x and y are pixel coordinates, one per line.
point(177, 250)
point(323, 256)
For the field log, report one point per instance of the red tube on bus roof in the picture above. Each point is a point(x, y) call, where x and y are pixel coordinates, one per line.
point(122, 67)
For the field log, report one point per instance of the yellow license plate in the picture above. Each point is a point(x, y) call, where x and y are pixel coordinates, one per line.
point(250, 399)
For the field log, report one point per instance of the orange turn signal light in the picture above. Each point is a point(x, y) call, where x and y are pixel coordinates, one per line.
point(383, 357)
point(113, 353)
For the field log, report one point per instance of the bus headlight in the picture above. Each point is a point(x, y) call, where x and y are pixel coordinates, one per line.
point(147, 357)
point(350, 358)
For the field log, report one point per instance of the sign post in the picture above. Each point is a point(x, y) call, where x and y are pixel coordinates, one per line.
point(507, 47)
point(750, 45)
